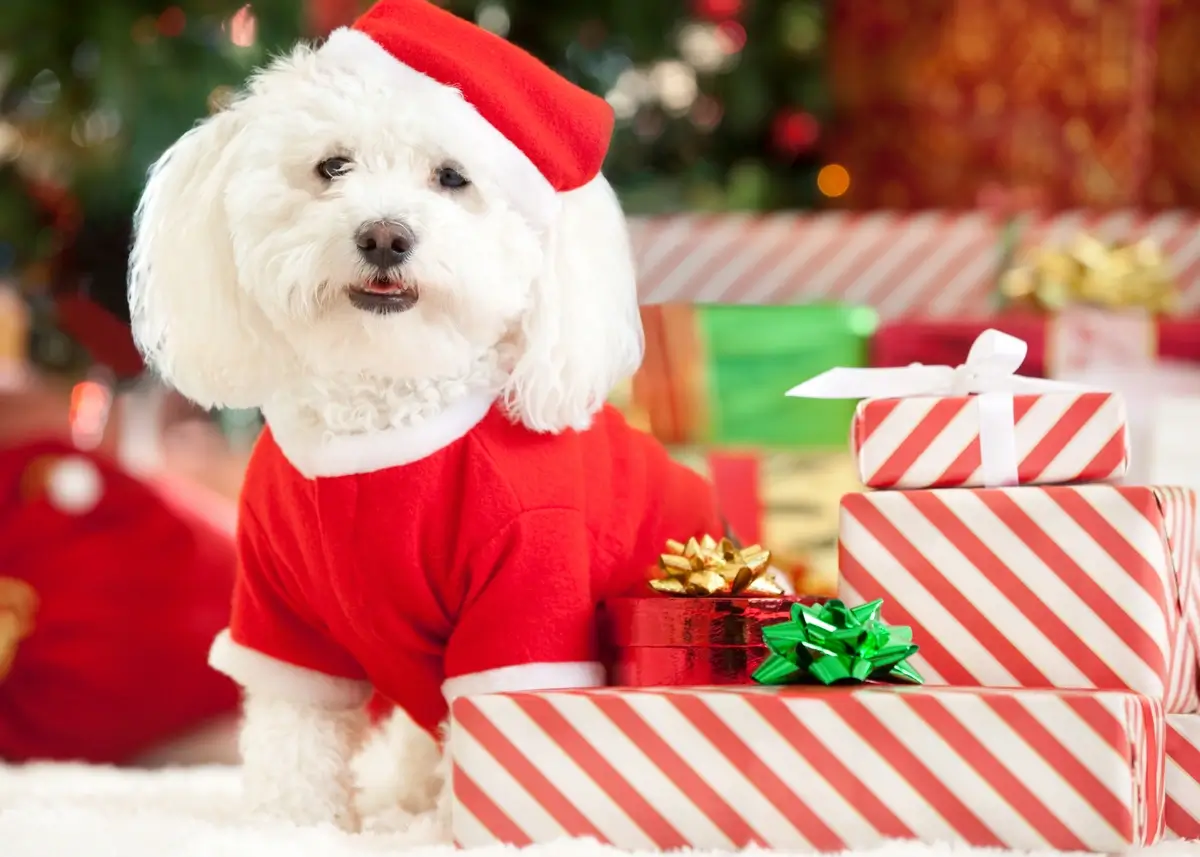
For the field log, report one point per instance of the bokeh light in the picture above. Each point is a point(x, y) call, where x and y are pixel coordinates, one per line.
point(833, 180)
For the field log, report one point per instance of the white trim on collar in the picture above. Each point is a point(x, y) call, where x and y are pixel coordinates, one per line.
point(314, 453)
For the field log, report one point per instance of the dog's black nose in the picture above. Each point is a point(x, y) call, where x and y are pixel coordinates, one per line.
point(385, 244)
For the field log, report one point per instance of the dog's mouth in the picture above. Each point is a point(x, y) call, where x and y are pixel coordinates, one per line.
point(384, 296)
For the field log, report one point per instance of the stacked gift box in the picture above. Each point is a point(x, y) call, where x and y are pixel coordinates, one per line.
point(1011, 660)
point(1143, 519)
point(1153, 361)
point(1090, 584)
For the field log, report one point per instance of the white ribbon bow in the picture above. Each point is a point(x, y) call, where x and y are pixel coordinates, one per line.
point(989, 375)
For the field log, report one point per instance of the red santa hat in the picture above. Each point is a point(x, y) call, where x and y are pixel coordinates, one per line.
point(541, 134)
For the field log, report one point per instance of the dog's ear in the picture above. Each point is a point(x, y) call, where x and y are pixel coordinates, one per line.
point(192, 319)
point(582, 334)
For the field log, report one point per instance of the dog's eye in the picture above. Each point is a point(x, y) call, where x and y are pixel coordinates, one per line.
point(331, 168)
point(451, 179)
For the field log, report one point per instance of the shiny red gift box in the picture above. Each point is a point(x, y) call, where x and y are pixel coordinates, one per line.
point(677, 642)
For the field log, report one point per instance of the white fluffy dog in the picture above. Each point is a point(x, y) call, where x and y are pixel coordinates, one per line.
point(249, 288)
point(352, 249)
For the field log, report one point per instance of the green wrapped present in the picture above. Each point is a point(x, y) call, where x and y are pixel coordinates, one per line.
point(717, 374)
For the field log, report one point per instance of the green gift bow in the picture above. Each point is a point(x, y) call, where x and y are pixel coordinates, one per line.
point(831, 643)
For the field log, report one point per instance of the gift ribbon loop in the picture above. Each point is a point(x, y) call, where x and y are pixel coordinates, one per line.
point(832, 643)
point(989, 375)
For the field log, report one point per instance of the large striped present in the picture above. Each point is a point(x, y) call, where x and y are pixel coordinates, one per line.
point(927, 263)
point(1088, 586)
point(1182, 813)
point(809, 769)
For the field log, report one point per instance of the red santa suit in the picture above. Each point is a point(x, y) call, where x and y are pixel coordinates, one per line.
point(466, 554)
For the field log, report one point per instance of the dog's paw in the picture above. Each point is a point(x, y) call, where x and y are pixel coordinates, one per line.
point(398, 768)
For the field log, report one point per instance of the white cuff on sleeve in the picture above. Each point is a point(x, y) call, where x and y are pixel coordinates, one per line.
point(263, 674)
point(525, 677)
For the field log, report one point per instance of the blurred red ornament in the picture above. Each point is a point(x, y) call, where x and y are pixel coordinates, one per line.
point(794, 132)
point(706, 113)
point(717, 10)
point(733, 36)
point(172, 22)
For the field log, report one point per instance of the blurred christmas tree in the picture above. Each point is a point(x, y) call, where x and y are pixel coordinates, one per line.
point(720, 102)
point(90, 94)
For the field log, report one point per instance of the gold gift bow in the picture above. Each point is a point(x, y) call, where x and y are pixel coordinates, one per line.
point(705, 567)
point(1092, 272)
point(18, 606)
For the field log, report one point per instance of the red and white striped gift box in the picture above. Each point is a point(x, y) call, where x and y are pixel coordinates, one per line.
point(809, 768)
point(1088, 586)
point(932, 263)
point(1182, 814)
point(1176, 232)
point(934, 442)
point(928, 263)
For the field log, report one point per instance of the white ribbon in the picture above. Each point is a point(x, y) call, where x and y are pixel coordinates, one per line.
point(989, 375)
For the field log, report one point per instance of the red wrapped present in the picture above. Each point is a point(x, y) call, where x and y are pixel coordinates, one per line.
point(977, 424)
point(1182, 816)
point(823, 769)
point(1064, 586)
point(947, 341)
point(665, 642)
point(701, 620)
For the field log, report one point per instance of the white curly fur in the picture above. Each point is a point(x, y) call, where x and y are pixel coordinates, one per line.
point(238, 290)
point(243, 254)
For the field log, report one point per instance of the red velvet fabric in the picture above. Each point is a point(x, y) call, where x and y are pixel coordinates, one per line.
point(491, 552)
point(130, 594)
point(562, 128)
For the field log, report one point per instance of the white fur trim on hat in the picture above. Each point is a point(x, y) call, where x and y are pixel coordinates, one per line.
point(315, 453)
point(268, 676)
point(561, 676)
point(529, 191)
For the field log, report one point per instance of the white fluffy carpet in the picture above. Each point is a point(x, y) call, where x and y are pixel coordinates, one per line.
point(75, 811)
